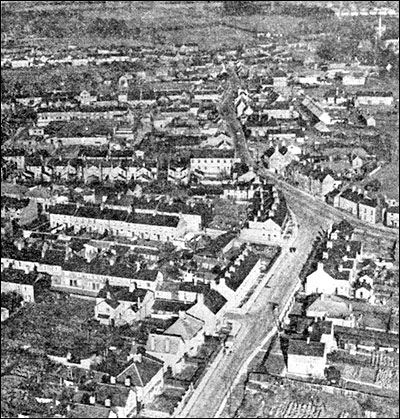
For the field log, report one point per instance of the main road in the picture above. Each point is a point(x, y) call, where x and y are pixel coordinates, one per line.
point(312, 216)
point(258, 322)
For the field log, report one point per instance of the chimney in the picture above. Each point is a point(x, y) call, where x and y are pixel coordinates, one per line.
point(354, 188)
point(127, 381)
point(271, 213)
point(259, 213)
point(322, 297)
point(112, 379)
point(308, 340)
point(360, 191)
point(340, 268)
point(320, 266)
point(345, 258)
point(132, 287)
point(348, 248)
point(112, 260)
point(108, 295)
point(107, 402)
point(92, 399)
point(325, 255)
point(329, 244)
point(232, 268)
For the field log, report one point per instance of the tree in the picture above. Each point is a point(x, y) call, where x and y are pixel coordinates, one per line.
point(239, 7)
point(327, 50)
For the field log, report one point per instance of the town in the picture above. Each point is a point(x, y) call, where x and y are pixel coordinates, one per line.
point(199, 209)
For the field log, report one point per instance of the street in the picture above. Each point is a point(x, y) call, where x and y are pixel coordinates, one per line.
point(312, 216)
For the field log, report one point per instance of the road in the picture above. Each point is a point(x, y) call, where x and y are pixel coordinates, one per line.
point(256, 324)
point(312, 215)
point(295, 197)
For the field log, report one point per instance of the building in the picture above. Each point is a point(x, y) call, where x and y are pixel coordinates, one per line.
point(116, 306)
point(392, 216)
point(268, 217)
point(213, 163)
point(278, 158)
point(333, 308)
point(322, 282)
point(374, 99)
point(369, 210)
point(125, 223)
point(145, 374)
point(27, 284)
point(306, 358)
point(183, 337)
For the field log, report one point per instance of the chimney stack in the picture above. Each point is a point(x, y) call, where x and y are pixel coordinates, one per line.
point(92, 399)
point(112, 380)
point(308, 340)
point(127, 381)
point(320, 266)
point(107, 402)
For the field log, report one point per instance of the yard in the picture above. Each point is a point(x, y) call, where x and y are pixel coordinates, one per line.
point(57, 326)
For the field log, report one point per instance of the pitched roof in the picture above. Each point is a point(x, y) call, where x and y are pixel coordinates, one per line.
point(186, 327)
point(141, 372)
point(302, 348)
point(334, 306)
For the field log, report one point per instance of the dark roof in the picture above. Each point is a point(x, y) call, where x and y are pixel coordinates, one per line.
point(170, 306)
point(17, 276)
point(214, 300)
point(302, 348)
point(141, 373)
point(121, 293)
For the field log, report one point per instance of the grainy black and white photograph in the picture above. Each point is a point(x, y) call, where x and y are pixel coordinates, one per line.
point(199, 209)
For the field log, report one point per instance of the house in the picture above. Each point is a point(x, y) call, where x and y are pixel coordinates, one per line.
point(213, 163)
point(306, 358)
point(183, 337)
point(354, 79)
point(237, 278)
point(116, 305)
point(349, 200)
point(333, 308)
point(209, 308)
point(116, 398)
point(278, 158)
point(322, 282)
point(316, 110)
point(374, 99)
point(178, 172)
point(151, 225)
point(267, 219)
point(369, 210)
point(27, 284)
point(145, 374)
point(392, 216)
